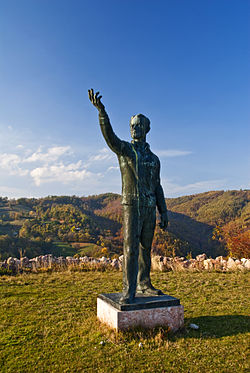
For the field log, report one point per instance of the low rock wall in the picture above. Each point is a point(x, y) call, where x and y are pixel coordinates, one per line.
point(46, 262)
point(201, 263)
point(159, 263)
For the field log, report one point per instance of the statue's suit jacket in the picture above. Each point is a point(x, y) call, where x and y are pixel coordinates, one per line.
point(140, 169)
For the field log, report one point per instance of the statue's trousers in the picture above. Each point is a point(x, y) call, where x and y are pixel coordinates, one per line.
point(138, 226)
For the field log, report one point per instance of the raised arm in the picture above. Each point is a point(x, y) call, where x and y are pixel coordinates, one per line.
point(110, 137)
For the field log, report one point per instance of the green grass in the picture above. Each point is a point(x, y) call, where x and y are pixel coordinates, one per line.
point(64, 248)
point(48, 324)
point(90, 249)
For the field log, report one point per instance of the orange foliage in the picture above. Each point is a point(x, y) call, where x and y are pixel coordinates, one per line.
point(236, 237)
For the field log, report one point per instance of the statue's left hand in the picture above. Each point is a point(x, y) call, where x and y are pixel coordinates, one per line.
point(164, 221)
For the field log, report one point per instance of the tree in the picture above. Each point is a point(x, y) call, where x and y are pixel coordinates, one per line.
point(236, 236)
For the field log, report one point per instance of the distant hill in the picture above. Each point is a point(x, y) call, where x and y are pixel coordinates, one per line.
point(194, 217)
point(214, 208)
point(64, 225)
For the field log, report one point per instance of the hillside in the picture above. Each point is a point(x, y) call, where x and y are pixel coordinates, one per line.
point(67, 225)
point(217, 214)
point(214, 208)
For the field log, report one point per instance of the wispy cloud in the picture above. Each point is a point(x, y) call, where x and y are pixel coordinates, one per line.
point(113, 168)
point(172, 153)
point(173, 190)
point(101, 155)
point(13, 192)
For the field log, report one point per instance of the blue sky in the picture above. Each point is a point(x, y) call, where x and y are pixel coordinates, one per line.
point(183, 63)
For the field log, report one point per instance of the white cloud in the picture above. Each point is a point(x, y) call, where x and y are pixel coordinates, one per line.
point(172, 153)
point(48, 165)
point(51, 155)
point(61, 173)
point(6, 160)
point(10, 163)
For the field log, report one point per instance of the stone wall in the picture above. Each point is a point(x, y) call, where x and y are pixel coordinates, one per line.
point(201, 263)
point(159, 263)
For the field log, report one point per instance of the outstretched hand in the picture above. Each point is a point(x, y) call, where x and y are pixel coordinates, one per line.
point(96, 100)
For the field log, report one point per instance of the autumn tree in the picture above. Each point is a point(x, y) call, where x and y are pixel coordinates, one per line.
point(236, 236)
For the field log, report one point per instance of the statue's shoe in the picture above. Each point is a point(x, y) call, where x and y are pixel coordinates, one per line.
point(126, 299)
point(149, 290)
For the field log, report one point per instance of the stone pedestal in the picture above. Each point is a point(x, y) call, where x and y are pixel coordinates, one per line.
point(146, 311)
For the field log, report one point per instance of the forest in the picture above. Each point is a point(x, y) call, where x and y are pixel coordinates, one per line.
point(215, 223)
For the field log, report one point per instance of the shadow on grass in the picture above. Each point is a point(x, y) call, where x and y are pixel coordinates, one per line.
point(216, 326)
point(210, 327)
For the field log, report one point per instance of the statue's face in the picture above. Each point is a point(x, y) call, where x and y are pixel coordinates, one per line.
point(137, 129)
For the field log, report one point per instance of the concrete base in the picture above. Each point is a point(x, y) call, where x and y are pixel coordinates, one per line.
point(147, 312)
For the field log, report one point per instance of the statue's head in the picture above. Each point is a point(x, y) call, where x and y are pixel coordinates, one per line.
point(139, 127)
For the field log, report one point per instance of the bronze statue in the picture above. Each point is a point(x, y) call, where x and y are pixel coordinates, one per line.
point(141, 193)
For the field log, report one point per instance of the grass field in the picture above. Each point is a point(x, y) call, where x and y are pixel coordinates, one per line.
point(87, 248)
point(64, 248)
point(48, 324)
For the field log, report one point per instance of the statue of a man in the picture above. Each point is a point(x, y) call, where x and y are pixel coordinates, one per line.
point(141, 193)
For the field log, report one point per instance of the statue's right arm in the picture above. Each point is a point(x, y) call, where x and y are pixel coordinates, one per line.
point(118, 146)
point(115, 144)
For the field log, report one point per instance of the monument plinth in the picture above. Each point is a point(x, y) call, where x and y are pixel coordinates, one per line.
point(145, 311)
